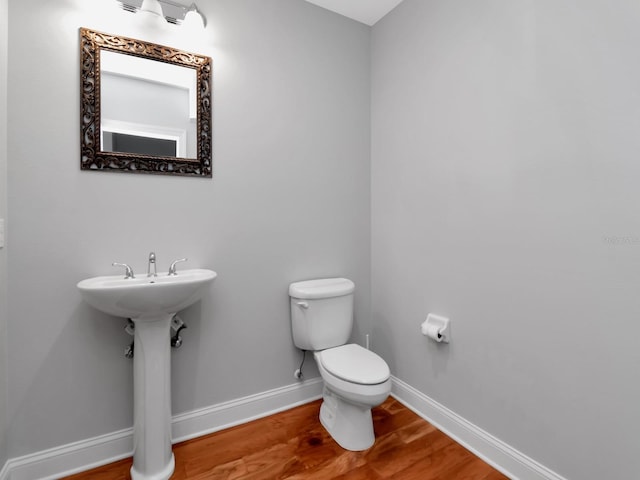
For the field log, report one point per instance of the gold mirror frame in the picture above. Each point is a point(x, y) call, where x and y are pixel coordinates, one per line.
point(92, 156)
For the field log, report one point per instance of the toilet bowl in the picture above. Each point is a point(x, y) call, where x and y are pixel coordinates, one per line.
point(350, 391)
point(355, 379)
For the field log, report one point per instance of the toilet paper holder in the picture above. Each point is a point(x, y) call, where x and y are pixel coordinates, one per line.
point(437, 328)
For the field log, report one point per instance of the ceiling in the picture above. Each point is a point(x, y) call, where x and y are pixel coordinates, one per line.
point(365, 11)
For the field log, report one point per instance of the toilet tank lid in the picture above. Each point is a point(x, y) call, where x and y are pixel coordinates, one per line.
point(322, 288)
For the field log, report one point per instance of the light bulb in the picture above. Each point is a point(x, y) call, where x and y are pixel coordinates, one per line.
point(151, 6)
point(193, 20)
point(150, 16)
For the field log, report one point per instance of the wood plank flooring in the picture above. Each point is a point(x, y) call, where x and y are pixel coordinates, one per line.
point(292, 445)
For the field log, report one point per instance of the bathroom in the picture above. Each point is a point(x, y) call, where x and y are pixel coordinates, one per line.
point(476, 159)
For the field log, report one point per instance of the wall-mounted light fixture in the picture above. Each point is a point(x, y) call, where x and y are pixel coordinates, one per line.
point(172, 12)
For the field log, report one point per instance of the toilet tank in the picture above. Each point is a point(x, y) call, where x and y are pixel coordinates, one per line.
point(321, 312)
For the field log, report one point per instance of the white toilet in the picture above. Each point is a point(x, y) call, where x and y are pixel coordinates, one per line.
point(355, 379)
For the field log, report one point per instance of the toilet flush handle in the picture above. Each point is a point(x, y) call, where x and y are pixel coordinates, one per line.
point(303, 304)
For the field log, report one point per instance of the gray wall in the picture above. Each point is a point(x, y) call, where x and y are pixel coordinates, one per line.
point(505, 195)
point(289, 200)
point(3, 214)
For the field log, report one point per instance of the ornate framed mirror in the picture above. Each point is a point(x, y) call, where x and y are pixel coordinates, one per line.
point(145, 108)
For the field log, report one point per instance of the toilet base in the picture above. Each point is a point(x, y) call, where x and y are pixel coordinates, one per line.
point(350, 425)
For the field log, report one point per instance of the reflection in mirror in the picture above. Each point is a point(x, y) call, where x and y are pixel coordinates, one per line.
point(145, 107)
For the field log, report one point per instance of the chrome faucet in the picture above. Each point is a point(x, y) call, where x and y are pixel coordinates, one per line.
point(152, 261)
point(128, 269)
point(172, 268)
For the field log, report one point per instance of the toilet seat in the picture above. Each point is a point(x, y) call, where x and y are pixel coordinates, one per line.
point(355, 364)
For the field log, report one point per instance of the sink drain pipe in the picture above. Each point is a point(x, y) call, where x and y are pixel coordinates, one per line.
point(177, 325)
point(130, 328)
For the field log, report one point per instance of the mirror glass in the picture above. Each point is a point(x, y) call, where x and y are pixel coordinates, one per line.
point(146, 108)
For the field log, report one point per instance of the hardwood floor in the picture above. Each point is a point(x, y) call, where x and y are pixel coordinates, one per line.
point(292, 445)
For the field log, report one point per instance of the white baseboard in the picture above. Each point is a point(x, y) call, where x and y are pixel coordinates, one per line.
point(495, 452)
point(224, 415)
point(86, 454)
point(4, 471)
point(72, 458)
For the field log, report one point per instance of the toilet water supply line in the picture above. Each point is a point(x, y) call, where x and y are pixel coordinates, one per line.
point(177, 325)
point(298, 373)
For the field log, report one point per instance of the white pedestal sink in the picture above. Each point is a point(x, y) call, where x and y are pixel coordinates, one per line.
point(151, 302)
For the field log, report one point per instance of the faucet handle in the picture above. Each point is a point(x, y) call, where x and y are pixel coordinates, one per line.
point(128, 269)
point(172, 268)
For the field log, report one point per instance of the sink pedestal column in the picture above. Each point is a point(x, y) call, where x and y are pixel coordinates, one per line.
point(152, 455)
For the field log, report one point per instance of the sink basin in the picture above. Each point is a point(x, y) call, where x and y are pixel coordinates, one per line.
point(144, 297)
